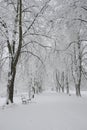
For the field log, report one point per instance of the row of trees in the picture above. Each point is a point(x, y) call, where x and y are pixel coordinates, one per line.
point(75, 51)
point(17, 22)
point(38, 34)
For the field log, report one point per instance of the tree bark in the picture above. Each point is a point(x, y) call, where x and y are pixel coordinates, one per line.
point(78, 93)
point(62, 81)
point(67, 85)
point(10, 86)
point(77, 67)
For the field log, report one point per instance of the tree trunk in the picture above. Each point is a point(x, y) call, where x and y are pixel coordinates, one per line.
point(79, 76)
point(62, 81)
point(58, 84)
point(13, 59)
point(67, 85)
point(78, 90)
point(77, 67)
point(10, 85)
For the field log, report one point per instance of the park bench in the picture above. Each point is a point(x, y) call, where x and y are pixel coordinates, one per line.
point(25, 100)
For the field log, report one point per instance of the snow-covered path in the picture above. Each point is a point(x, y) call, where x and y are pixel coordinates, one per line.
point(49, 111)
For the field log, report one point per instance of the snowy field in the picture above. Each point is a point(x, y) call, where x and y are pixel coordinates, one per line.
point(48, 111)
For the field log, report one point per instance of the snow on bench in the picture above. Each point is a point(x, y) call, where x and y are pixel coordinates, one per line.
point(25, 100)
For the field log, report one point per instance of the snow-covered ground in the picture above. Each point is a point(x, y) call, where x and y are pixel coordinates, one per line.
point(48, 111)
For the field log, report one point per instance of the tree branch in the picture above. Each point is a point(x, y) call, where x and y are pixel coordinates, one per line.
point(37, 44)
point(67, 46)
point(82, 20)
point(36, 17)
point(85, 8)
point(33, 55)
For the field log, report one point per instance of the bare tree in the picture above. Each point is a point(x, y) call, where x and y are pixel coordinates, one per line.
point(14, 48)
point(14, 55)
